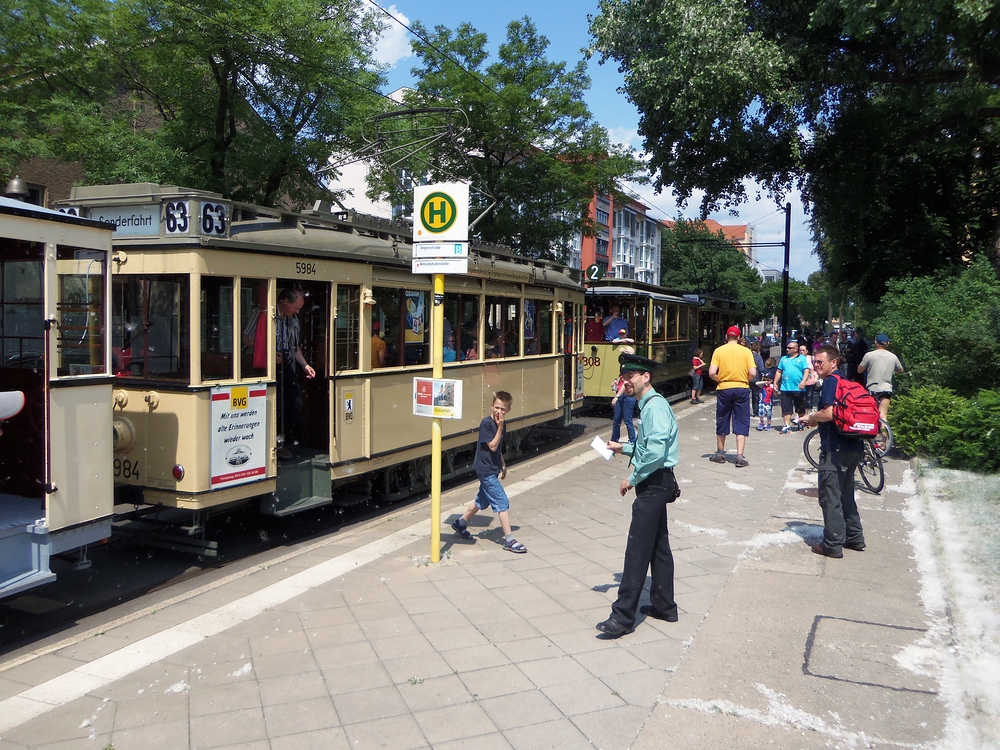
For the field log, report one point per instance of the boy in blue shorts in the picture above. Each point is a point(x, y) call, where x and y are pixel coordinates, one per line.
point(489, 464)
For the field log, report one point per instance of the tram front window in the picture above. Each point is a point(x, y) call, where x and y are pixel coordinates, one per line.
point(81, 338)
point(22, 313)
point(253, 324)
point(216, 328)
point(347, 326)
point(151, 326)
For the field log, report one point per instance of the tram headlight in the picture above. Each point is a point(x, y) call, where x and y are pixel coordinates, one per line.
point(178, 472)
point(123, 435)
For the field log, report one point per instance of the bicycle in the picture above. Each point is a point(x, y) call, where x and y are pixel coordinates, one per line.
point(870, 465)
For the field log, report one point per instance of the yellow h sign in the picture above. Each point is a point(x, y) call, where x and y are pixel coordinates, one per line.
point(441, 212)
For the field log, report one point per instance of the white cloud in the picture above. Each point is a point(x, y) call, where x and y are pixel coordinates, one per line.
point(626, 137)
point(394, 46)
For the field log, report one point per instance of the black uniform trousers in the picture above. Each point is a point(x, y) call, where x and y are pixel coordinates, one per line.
point(648, 547)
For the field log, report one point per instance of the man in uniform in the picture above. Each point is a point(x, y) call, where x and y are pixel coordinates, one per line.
point(838, 458)
point(733, 369)
point(881, 365)
point(654, 455)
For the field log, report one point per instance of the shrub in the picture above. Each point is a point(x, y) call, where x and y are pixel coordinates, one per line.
point(963, 433)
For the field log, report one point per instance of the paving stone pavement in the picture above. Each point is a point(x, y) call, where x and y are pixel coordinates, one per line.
point(357, 641)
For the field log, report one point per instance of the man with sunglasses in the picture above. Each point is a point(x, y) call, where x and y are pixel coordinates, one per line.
point(790, 382)
point(838, 458)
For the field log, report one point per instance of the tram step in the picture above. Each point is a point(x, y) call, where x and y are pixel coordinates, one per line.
point(24, 545)
point(303, 503)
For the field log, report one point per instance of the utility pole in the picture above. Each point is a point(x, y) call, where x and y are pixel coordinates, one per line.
point(784, 291)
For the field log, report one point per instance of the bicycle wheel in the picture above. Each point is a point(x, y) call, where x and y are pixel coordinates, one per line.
point(810, 446)
point(872, 471)
point(884, 439)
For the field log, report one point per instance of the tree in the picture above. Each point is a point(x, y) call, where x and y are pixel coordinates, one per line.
point(246, 99)
point(693, 258)
point(885, 114)
point(531, 146)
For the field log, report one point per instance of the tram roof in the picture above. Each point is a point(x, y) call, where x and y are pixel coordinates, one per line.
point(626, 291)
point(13, 207)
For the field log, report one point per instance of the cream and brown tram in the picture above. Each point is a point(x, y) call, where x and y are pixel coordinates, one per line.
point(660, 324)
point(55, 452)
point(196, 281)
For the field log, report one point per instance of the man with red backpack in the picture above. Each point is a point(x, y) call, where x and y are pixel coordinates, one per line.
point(839, 457)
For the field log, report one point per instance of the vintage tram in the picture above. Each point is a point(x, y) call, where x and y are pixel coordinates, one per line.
point(657, 323)
point(55, 454)
point(196, 282)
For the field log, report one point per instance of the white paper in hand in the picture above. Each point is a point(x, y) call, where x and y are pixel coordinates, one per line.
point(602, 448)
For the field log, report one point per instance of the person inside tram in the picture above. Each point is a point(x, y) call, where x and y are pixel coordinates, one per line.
point(380, 351)
point(594, 331)
point(450, 354)
point(290, 403)
point(614, 325)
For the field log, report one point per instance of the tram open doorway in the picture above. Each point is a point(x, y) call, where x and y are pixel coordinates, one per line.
point(303, 411)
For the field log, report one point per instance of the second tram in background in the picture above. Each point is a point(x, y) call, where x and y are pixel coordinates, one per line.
point(658, 324)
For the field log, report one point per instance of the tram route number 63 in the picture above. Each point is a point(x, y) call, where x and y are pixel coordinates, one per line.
point(591, 361)
point(126, 469)
point(305, 269)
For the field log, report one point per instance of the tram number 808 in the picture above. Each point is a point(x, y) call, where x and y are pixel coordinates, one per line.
point(126, 469)
point(591, 361)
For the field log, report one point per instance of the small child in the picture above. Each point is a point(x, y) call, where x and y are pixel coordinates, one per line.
point(489, 463)
point(697, 372)
point(766, 384)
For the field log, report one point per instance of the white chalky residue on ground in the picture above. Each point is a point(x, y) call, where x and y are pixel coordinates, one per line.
point(739, 487)
point(178, 687)
point(717, 533)
point(245, 669)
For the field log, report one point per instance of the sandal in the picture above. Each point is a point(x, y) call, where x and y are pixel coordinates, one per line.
point(462, 531)
point(515, 546)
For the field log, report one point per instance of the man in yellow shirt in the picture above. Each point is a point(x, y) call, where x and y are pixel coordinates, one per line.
point(733, 369)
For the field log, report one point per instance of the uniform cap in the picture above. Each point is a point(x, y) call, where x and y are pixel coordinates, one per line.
point(733, 331)
point(11, 402)
point(635, 363)
point(882, 339)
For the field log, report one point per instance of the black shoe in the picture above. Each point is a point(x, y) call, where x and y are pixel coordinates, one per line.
point(717, 458)
point(856, 546)
point(822, 549)
point(462, 531)
point(647, 609)
point(613, 628)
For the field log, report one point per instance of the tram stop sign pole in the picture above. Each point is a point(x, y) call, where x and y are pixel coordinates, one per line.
point(440, 246)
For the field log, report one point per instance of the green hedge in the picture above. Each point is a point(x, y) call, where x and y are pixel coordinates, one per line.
point(963, 433)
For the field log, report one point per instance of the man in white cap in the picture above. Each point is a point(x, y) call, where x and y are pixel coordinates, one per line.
point(881, 365)
point(11, 402)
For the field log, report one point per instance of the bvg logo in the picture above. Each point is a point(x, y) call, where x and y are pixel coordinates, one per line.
point(239, 398)
point(438, 212)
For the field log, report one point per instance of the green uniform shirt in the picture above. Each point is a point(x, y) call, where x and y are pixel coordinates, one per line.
point(655, 444)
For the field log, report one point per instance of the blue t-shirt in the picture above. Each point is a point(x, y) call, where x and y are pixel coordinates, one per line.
point(829, 438)
point(793, 370)
point(487, 462)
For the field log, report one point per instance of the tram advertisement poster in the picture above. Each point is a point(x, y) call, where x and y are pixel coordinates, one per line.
point(414, 317)
point(437, 398)
point(239, 435)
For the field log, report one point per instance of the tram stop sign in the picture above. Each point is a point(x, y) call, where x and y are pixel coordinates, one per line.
point(441, 212)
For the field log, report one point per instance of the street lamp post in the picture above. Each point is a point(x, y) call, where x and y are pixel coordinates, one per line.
point(784, 291)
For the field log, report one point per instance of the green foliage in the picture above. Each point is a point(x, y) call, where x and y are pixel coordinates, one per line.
point(694, 259)
point(884, 113)
point(248, 99)
point(963, 433)
point(945, 328)
point(532, 145)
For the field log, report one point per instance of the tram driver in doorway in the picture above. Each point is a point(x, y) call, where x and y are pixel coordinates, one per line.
point(290, 403)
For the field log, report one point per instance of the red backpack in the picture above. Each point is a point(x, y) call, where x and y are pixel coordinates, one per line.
point(855, 410)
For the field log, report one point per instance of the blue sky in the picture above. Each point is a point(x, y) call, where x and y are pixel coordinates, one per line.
point(565, 24)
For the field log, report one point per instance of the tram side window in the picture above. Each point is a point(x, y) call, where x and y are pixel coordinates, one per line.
point(659, 322)
point(22, 313)
point(253, 324)
point(346, 351)
point(684, 318)
point(81, 335)
point(672, 322)
point(461, 327)
point(537, 327)
point(216, 328)
point(503, 328)
point(151, 326)
point(401, 315)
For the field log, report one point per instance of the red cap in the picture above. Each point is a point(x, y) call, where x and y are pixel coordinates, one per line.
point(733, 331)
